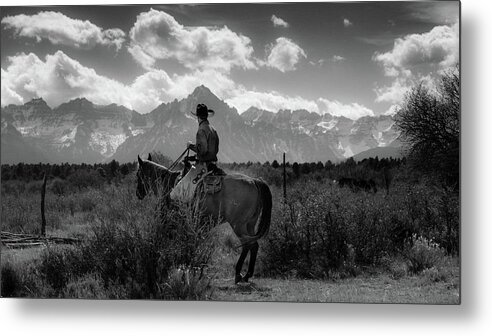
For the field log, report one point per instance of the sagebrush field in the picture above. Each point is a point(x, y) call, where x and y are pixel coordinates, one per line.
point(328, 242)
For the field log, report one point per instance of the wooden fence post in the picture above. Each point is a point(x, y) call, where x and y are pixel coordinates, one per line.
point(43, 218)
point(285, 181)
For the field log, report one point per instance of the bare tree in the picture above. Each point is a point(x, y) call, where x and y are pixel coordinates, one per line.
point(430, 126)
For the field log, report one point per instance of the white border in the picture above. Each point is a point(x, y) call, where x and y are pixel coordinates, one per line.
point(68, 317)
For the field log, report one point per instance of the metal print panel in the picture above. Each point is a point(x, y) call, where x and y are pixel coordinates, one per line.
point(291, 152)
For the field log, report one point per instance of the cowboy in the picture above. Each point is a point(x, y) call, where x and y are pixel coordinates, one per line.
point(207, 140)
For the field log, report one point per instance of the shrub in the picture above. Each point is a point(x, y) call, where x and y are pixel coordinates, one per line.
point(20, 213)
point(422, 253)
point(84, 178)
point(396, 266)
point(308, 239)
point(324, 228)
point(132, 255)
point(58, 186)
point(10, 280)
point(89, 286)
point(87, 203)
point(185, 283)
point(59, 264)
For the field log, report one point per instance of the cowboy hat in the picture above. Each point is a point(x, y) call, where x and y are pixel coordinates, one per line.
point(203, 111)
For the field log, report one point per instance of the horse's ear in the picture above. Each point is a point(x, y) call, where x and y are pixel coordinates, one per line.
point(149, 158)
point(140, 162)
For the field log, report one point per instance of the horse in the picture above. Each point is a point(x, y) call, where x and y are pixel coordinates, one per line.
point(243, 202)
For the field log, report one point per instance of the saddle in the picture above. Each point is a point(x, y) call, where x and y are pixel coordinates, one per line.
point(212, 183)
point(195, 182)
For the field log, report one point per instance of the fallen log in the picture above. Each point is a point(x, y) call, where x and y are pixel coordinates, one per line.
point(17, 240)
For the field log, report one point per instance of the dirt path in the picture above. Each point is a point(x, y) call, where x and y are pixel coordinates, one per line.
point(364, 289)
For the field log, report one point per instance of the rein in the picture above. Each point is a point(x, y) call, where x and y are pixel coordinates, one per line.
point(175, 163)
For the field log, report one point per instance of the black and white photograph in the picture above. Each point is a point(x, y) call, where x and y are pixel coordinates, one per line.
point(234, 152)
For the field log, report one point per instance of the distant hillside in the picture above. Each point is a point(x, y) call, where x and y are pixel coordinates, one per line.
point(380, 152)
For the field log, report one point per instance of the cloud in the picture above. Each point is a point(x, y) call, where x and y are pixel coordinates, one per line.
point(438, 47)
point(347, 22)
point(319, 62)
point(417, 58)
point(439, 12)
point(278, 22)
point(274, 101)
point(9, 96)
point(395, 92)
point(337, 58)
point(157, 35)
point(352, 111)
point(392, 110)
point(59, 78)
point(284, 55)
point(141, 57)
point(270, 101)
point(62, 30)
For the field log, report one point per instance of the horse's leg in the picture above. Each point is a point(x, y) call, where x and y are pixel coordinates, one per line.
point(252, 260)
point(240, 262)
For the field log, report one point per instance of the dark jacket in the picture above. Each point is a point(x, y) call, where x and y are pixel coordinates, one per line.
point(207, 143)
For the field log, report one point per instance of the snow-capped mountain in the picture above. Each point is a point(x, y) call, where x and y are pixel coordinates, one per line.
point(77, 131)
point(80, 131)
point(346, 137)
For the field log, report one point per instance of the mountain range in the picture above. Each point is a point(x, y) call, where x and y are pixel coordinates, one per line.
point(80, 131)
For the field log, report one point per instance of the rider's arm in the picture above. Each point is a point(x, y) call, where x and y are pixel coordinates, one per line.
point(191, 146)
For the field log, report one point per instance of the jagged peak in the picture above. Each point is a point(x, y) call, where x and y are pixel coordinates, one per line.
point(80, 100)
point(76, 103)
point(254, 108)
point(36, 102)
point(202, 89)
point(203, 94)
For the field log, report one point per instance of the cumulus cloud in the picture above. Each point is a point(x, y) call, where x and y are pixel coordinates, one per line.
point(347, 22)
point(284, 55)
point(438, 47)
point(278, 22)
point(157, 35)
point(352, 111)
point(141, 57)
point(395, 92)
point(62, 30)
point(59, 78)
point(417, 58)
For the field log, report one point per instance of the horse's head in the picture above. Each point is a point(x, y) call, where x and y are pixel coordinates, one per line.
point(144, 180)
point(152, 176)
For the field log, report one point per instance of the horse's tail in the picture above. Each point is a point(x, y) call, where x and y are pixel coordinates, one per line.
point(265, 201)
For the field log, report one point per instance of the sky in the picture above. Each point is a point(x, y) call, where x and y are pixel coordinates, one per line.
point(348, 59)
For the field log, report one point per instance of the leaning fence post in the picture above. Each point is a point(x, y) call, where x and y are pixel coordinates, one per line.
point(43, 218)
